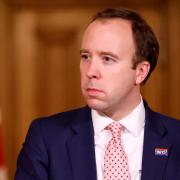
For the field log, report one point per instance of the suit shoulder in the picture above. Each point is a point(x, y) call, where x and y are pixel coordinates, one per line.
point(62, 118)
point(171, 123)
point(167, 118)
point(57, 125)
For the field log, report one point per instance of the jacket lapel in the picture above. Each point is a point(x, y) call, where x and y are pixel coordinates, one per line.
point(156, 147)
point(80, 147)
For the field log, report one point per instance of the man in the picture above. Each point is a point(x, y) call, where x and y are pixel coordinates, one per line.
point(116, 136)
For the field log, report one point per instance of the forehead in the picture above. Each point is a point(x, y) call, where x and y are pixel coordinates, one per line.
point(114, 25)
point(109, 33)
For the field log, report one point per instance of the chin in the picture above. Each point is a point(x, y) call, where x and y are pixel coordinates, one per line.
point(96, 104)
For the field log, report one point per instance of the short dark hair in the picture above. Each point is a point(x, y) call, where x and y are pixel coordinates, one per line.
point(147, 46)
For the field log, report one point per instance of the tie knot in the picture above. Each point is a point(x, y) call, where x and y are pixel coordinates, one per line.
point(115, 129)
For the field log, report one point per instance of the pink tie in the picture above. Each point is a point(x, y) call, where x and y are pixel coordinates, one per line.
point(115, 160)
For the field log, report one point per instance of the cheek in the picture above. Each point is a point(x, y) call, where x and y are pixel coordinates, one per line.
point(121, 80)
point(114, 77)
point(83, 79)
point(82, 71)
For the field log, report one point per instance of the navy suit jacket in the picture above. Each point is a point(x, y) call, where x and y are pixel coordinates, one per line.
point(61, 147)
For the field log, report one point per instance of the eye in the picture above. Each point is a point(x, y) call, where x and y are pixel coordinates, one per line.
point(84, 56)
point(107, 59)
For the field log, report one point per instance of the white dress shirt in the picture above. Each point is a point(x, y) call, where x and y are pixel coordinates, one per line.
point(132, 139)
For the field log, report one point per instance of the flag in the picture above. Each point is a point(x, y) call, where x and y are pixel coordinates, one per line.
point(3, 172)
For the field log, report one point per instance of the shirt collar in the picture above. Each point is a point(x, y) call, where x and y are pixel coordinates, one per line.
point(133, 122)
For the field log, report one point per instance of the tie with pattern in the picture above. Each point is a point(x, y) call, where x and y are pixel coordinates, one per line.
point(115, 160)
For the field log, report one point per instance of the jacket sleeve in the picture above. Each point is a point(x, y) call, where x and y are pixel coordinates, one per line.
point(32, 163)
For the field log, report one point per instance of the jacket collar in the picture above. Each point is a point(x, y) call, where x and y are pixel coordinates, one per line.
point(81, 147)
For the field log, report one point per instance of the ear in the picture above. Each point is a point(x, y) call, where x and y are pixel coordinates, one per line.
point(142, 71)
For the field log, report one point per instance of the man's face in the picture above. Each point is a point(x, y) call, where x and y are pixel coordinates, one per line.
point(108, 82)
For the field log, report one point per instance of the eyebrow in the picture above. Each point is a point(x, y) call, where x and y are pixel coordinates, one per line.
point(101, 53)
point(109, 54)
point(84, 51)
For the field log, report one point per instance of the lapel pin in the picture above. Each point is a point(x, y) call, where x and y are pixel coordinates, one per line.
point(161, 152)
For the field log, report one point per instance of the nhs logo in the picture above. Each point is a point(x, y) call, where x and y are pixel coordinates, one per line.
point(161, 151)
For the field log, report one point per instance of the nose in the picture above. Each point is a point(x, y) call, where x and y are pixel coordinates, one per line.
point(93, 70)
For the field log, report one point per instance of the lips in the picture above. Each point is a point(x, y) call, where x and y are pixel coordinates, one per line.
point(93, 91)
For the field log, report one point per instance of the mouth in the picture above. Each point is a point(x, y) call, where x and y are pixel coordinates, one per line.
point(93, 91)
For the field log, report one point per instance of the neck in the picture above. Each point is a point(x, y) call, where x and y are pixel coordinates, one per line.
point(122, 110)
